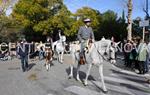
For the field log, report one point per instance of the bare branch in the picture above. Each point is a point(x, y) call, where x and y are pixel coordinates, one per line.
point(146, 10)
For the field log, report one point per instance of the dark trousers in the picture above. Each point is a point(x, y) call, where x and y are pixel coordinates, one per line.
point(136, 65)
point(24, 62)
point(141, 67)
point(146, 65)
point(127, 59)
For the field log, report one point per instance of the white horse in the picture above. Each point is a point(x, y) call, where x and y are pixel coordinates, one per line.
point(60, 48)
point(95, 56)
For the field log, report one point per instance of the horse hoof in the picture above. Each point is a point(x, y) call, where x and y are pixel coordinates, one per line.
point(105, 91)
point(69, 77)
point(85, 84)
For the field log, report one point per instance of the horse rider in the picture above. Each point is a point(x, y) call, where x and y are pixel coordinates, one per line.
point(60, 35)
point(57, 37)
point(48, 43)
point(85, 34)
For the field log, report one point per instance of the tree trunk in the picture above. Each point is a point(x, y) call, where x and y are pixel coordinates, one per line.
point(129, 28)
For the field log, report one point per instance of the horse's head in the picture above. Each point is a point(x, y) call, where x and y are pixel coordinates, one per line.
point(62, 38)
point(108, 49)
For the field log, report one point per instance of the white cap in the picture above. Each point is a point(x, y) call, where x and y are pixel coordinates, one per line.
point(87, 20)
point(103, 38)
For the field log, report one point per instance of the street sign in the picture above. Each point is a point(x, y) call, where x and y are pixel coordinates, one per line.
point(144, 23)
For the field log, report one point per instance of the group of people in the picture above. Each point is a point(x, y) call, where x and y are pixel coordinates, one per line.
point(25, 50)
point(85, 33)
point(5, 55)
point(137, 55)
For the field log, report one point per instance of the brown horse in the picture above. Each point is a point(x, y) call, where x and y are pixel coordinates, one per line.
point(48, 56)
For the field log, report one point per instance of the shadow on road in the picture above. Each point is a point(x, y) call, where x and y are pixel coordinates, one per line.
point(132, 78)
point(30, 66)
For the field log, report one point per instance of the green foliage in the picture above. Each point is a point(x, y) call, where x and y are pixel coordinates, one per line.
point(8, 29)
point(42, 16)
point(87, 12)
point(109, 15)
point(39, 18)
point(4, 5)
point(45, 17)
point(137, 31)
point(111, 26)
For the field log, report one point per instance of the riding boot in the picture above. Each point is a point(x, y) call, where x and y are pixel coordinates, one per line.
point(82, 60)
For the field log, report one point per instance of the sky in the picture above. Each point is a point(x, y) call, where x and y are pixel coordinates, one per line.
point(103, 5)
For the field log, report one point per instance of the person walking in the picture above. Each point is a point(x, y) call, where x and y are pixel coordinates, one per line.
point(85, 33)
point(146, 63)
point(41, 51)
point(127, 50)
point(142, 55)
point(133, 55)
point(22, 50)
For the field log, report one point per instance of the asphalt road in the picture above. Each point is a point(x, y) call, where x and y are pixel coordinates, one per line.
point(38, 81)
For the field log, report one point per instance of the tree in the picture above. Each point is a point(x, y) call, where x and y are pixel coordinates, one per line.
point(40, 17)
point(7, 24)
point(5, 5)
point(129, 28)
point(9, 31)
point(112, 26)
point(146, 10)
point(135, 28)
point(108, 24)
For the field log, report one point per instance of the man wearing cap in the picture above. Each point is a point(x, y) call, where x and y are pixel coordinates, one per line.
point(85, 33)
